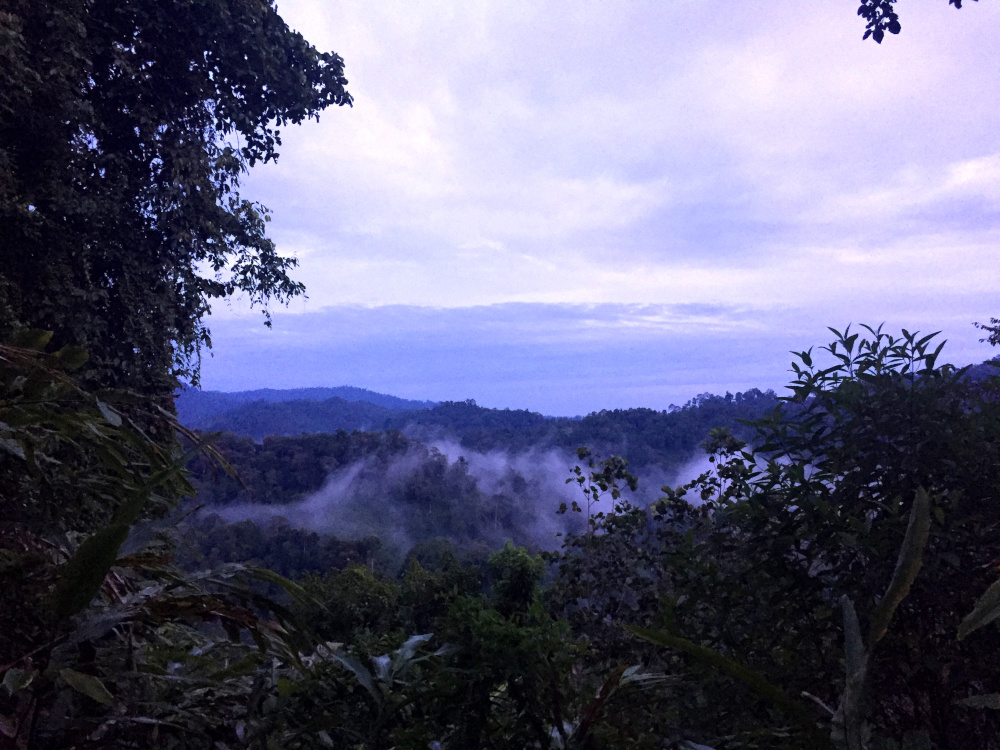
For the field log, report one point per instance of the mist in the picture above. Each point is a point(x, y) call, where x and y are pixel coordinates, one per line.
point(442, 490)
point(430, 492)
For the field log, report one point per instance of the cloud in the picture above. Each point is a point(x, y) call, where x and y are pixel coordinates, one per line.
point(586, 159)
point(516, 497)
point(499, 153)
point(559, 359)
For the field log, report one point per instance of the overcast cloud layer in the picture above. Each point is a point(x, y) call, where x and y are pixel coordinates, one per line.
point(692, 186)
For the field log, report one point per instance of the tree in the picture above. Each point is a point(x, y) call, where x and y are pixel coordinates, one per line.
point(124, 131)
point(993, 331)
point(739, 575)
point(881, 17)
point(822, 509)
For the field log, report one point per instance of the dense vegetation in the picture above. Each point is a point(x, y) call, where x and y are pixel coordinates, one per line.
point(727, 620)
point(645, 436)
point(394, 488)
point(830, 582)
point(124, 131)
point(382, 486)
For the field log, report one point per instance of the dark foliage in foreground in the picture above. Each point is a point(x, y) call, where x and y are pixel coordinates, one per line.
point(120, 209)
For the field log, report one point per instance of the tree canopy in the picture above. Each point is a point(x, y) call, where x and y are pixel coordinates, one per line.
point(124, 131)
point(880, 17)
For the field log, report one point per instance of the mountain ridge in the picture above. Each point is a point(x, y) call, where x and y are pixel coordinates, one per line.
point(196, 407)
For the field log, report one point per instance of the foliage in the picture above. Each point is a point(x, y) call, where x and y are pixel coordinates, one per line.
point(868, 493)
point(91, 604)
point(826, 508)
point(399, 489)
point(53, 434)
point(880, 16)
point(360, 486)
point(598, 482)
point(501, 675)
point(124, 131)
point(282, 470)
point(992, 329)
point(515, 575)
point(197, 408)
point(872, 459)
point(208, 541)
point(646, 437)
point(262, 420)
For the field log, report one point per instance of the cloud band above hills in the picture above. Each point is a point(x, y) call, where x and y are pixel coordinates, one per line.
point(557, 359)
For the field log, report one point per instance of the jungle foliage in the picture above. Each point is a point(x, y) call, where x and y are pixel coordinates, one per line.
point(754, 585)
point(832, 586)
point(124, 131)
point(664, 438)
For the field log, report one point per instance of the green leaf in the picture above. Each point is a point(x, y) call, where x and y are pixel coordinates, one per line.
point(241, 668)
point(88, 685)
point(753, 679)
point(294, 590)
point(911, 557)
point(987, 610)
point(15, 680)
point(83, 575)
point(72, 357)
point(848, 721)
point(408, 650)
point(31, 338)
point(12, 446)
point(988, 700)
point(109, 414)
point(363, 676)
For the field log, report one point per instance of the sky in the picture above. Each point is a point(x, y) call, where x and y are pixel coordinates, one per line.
point(571, 206)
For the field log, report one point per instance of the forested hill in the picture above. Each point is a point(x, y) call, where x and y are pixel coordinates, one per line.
point(644, 436)
point(198, 408)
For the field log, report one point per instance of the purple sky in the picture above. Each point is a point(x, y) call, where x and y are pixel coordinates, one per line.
point(575, 206)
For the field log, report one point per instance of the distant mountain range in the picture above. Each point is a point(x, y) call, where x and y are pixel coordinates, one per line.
point(202, 409)
point(257, 413)
point(645, 436)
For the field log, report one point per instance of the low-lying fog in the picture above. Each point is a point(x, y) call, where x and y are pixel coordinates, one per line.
point(444, 490)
